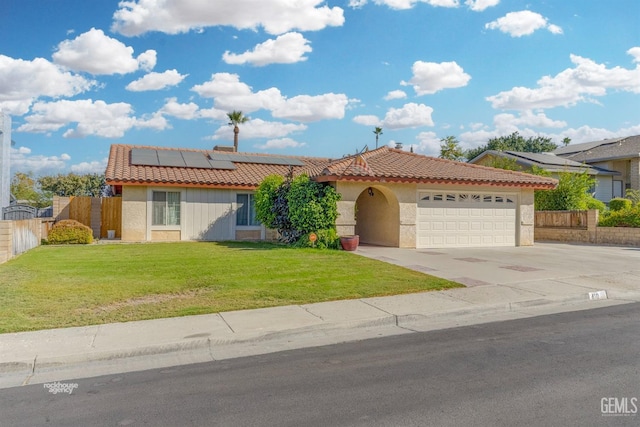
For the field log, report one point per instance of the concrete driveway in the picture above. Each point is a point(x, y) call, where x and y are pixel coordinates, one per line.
point(544, 264)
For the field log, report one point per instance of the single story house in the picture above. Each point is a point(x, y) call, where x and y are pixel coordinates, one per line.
point(619, 154)
point(390, 197)
point(555, 165)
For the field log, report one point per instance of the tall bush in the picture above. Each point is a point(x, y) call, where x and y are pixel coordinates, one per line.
point(296, 206)
point(572, 193)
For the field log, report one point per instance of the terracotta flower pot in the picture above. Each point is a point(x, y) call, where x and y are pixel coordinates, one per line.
point(349, 243)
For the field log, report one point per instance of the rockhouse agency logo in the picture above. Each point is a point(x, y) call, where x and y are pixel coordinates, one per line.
point(619, 406)
point(59, 387)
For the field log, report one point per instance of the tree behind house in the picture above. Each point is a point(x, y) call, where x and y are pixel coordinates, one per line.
point(450, 149)
point(514, 142)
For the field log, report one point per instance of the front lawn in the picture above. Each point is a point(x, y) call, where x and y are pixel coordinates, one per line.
point(62, 286)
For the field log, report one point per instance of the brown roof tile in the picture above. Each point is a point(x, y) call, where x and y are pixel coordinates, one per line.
point(120, 171)
point(382, 164)
point(396, 165)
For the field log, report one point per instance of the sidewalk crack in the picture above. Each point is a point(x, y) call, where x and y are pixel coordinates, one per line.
point(226, 323)
point(311, 313)
point(378, 308)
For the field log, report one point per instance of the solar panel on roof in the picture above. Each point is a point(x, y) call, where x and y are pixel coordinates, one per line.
point(144, 157)
point(222, 164)
point(265, 160)
point(171, 158)
point(195, 160)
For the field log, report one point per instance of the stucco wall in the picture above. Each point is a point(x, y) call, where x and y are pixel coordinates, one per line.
point(404, 223)
point(134, 213)
point(525, 228)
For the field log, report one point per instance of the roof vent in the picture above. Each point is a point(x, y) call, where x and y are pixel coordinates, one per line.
point(398, 145)
point(227, 148)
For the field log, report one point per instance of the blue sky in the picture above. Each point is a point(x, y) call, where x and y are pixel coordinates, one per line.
point(314, 77)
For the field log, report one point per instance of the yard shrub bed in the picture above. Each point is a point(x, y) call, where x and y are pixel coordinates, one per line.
point(69, 231)
point(629, 217)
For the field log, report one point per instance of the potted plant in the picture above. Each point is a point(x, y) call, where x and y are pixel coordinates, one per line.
point(349, 243)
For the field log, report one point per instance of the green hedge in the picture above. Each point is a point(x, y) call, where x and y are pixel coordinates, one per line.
point(618, 204)
point(69, 231)
point(622, 218)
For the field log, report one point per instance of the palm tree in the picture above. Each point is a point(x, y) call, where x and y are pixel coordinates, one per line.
point(378, 132)
point(236, 118)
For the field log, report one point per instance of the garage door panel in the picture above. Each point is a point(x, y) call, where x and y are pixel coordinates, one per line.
point(465, 220)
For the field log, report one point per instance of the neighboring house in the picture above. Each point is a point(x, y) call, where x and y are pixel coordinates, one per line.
point(554, 165)
point(620, 154)
point(389, 197)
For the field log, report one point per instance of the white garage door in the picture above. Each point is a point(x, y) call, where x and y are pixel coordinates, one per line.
point(449, 219)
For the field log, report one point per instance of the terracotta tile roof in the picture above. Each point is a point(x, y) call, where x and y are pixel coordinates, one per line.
point(393, 165)
point(120, 170)
point(383, 164)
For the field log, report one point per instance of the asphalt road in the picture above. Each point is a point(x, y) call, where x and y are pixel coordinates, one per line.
point(559, 370)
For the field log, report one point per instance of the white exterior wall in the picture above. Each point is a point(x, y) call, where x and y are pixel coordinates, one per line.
point(604, 188)
point(209, 214)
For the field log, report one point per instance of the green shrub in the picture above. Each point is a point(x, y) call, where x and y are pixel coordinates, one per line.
point(633, 195)
point(622, 218)
point(69, 231)
point(618, 204)
point(327, 239)
point(572, 193)
point(593, 203)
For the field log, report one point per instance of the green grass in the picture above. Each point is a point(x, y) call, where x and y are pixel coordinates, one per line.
point(62, 286)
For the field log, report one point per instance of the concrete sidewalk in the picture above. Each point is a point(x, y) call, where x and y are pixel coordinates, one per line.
point(495, 292)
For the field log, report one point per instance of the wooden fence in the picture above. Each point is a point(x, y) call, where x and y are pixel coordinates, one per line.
point(561, 219)
point(100, 214)
point(111, 218)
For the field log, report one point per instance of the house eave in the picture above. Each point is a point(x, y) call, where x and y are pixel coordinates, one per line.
point(401, 180)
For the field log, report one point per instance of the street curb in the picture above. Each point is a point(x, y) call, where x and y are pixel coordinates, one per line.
point(403, 322)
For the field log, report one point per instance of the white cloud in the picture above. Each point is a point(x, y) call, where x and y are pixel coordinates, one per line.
point(23, 161)
point(406, 4)
point(155, 121)
point(22, 82)
point(156, 81)
point(258, 128)
point(279, 144)
point(523, 23)
point(135, 17)
point(367, 120)
point(306, 108)
point(182, 111)
point(96, 53)
point(526, 118)
point(573, 85)
point(91, 118)
point(357, 4)
point(288, 48)
point(428, 143)
point(229, 93)
point(90, 167)
point(635, 52)
point(431, 77)
point(480, 5)
point(409, 116)
point(395, 94)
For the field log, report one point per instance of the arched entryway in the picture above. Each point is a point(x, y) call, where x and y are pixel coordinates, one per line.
point(378, 217)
